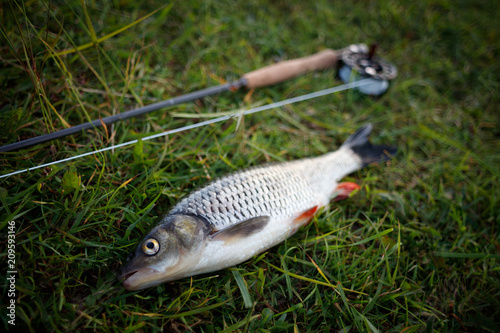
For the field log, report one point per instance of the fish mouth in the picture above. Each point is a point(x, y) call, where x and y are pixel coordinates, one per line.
point(138, 279)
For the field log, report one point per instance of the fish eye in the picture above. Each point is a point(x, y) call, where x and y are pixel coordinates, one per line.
point(150, 246)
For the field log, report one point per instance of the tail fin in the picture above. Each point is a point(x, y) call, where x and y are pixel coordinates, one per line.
point(359, 144)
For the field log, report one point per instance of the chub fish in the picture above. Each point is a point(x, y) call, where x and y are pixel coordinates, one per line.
point(245, 213)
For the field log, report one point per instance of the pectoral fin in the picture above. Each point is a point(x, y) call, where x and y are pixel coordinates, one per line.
point(242, 229)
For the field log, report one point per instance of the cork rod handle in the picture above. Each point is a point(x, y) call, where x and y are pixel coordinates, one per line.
point(285, 70)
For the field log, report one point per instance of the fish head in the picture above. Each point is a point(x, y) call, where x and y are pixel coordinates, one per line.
point(166, 253)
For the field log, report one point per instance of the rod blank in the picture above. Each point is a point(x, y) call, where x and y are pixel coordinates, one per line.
point(125, 115)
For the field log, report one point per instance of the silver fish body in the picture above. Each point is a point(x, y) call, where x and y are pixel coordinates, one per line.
point(240, 215)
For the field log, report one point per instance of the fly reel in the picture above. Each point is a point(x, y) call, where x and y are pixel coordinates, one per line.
point(359, 63)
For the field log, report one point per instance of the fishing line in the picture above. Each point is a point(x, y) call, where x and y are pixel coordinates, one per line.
point(292, 100)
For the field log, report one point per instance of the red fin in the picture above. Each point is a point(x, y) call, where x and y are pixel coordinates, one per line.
point(344, 189)
point(305, 217)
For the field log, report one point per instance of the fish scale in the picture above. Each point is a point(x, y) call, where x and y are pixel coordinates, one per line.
point(276, 190)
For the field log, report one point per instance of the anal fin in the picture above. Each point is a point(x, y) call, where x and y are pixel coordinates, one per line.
point(343, 190)
point(241, 229)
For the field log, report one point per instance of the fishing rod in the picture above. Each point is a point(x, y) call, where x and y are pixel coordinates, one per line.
point(266, 76)
point(347, 86)
point(360, 70)
point(262, 77)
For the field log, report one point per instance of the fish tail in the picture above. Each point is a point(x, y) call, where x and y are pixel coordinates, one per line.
point(362, 147)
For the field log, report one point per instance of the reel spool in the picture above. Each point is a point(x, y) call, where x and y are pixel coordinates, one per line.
point(359, 63)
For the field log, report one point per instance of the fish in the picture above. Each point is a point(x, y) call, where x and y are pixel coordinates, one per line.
point(245, 213)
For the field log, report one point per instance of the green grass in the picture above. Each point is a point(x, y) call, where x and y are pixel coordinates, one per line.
point(415, 250)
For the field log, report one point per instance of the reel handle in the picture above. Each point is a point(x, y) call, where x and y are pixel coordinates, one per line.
point(285, 70)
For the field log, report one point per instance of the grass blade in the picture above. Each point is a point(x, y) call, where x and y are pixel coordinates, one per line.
point(436, 136)
point(366, 240)
point(247, 299)
point(99, 40)
point(467, 255)
point(313, 280)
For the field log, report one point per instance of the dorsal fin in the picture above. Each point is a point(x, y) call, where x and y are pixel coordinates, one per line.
point(241, 229)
